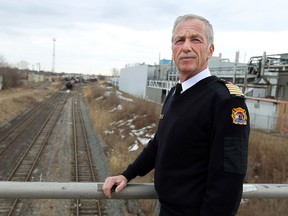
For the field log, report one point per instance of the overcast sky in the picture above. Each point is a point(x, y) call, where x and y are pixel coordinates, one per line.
point(95, 36)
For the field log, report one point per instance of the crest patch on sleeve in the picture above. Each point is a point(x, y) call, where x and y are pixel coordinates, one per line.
point(239, 116)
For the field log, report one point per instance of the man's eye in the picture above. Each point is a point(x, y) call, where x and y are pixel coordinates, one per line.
point(179, 41)
point(195, 40)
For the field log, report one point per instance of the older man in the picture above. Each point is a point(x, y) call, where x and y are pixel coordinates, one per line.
point(199, 151)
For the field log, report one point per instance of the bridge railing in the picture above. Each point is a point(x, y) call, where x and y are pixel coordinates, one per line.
point(73, 190)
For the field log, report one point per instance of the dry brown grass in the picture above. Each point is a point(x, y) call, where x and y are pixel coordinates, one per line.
point(267, 152)
point(267, 164)
point(268, 158)
point(14, 101)
point(143, 113)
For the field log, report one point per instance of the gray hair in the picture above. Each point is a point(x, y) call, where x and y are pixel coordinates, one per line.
point(209, 27)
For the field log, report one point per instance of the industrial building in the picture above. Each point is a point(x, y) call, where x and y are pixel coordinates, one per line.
point(264, 76)
point(264, 80)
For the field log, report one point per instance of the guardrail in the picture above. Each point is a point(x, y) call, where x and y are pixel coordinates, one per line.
point(74, 190)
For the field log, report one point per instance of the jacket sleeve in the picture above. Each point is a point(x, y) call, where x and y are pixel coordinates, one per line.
point(228, 158)
point(144, 163)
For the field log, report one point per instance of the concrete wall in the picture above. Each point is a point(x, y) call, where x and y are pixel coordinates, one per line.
point(155, 94)
point(35, 77)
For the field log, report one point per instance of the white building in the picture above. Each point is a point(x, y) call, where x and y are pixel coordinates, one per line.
point(34, 77)
point(133, 79)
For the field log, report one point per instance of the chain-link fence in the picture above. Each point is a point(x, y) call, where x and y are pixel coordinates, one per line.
point(270, 123)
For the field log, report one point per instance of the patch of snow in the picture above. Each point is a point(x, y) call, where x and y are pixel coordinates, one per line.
point(138, 132)
point(118, 107)
point(99, 98)
point(124, 98)
point(133, 147)
point(143, 141)
point(106, 132)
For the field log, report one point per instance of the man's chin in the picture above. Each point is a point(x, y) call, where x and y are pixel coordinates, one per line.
point(185, 70)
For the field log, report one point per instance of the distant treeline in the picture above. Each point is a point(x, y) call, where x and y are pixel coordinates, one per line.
point(11, 77)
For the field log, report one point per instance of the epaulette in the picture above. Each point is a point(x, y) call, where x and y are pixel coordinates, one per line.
point(233, 89)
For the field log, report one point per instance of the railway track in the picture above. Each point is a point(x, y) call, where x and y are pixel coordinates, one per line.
point(26, 163)
point(83, 166)
point(9, 136)
point(23, 148)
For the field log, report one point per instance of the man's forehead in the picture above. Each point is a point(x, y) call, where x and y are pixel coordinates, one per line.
point(189, 28)
point(192, 25)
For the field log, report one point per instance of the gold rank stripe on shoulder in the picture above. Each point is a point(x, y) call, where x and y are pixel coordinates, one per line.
point(234, 90)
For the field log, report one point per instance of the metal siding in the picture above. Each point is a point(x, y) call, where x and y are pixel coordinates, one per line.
point(133, 80)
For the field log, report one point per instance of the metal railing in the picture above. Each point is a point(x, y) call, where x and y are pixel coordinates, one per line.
point(75, 190)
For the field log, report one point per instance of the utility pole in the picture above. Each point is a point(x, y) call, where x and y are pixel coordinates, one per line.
point(53, 55)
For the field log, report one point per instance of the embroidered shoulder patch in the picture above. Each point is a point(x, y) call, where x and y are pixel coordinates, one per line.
point(234, 89)
point(239, 116)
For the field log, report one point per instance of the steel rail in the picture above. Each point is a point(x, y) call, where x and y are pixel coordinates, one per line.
point(34, 141)
point(27, 172)
point(16, 131)
point(84, 170)
point(75, 151)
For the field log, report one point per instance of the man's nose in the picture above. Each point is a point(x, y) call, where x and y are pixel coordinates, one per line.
point(187, 46)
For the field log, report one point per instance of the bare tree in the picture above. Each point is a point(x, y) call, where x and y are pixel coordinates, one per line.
point(115, 72)
point(3, 62)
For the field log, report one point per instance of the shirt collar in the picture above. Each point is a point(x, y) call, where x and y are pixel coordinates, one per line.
point(193, 80)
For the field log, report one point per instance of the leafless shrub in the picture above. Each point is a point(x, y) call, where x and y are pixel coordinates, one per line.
point(11, 77)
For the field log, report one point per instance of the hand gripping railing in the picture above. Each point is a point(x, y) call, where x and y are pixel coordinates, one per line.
point(73, 190)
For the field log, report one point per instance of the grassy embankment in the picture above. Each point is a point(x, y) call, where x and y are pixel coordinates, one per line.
point(267, 152)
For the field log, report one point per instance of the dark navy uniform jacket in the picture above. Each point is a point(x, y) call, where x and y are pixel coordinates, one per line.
point(199, 151)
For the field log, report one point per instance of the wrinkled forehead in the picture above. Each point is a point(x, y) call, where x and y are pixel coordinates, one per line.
point(190, 27)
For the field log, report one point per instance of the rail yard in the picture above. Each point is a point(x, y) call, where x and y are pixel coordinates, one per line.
point(49, 143)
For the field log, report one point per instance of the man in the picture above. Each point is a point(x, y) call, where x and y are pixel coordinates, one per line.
point(199, 151)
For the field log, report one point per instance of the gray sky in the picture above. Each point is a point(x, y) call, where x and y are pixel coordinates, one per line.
point(95, 36)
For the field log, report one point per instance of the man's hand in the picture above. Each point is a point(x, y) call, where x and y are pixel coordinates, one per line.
point(119, 181)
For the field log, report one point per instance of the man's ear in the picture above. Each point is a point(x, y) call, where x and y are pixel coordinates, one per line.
point(211, 51)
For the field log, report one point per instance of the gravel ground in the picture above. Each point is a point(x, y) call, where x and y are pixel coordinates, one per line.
point(54, 166)
point(114, 207)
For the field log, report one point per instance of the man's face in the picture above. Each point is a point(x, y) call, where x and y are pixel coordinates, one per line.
point(190, 48)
